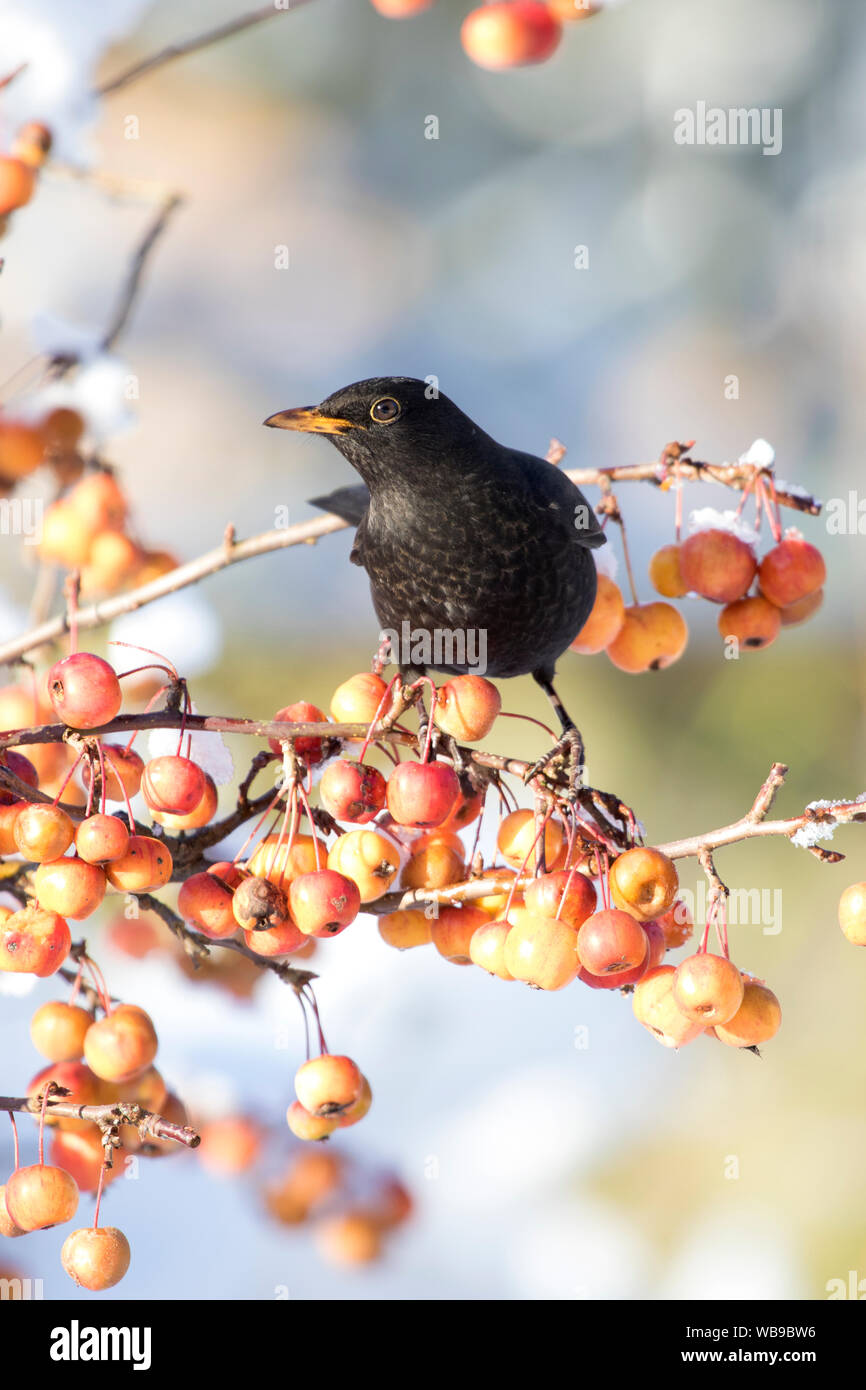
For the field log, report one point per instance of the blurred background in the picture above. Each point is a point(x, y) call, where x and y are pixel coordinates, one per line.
point(552, 1148)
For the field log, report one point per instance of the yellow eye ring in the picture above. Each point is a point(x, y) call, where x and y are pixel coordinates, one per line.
point(385, 410)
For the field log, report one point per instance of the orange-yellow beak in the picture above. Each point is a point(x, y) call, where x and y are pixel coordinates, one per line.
point(309, 420)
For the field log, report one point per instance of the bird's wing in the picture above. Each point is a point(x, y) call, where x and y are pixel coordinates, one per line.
point(350, 503)
point(554, 489)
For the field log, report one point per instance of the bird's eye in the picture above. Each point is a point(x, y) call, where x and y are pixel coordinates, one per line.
point(385, 410)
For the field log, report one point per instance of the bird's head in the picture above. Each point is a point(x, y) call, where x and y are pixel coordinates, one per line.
point(387, 427)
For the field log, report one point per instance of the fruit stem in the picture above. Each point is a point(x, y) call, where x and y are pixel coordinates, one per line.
point(67, 779)
point(15, 1142)
point(99, 1189)
point(374, 721)
point(316, 851)
point(126, 799)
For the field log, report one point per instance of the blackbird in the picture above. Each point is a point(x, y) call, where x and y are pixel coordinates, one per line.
point(459, 535)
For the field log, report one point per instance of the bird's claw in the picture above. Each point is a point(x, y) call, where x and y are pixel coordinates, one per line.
point(568, 754)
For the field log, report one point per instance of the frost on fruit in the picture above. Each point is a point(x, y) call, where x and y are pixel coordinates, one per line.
point(709, 519)
point(206, 748)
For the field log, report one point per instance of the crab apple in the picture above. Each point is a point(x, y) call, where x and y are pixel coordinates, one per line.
point(111, 562)
point(451, 932)
point(7, 1225)
point(42, 831)
point(487, 948)
point(466, 707)
point(467, 808)
point(791, 571)
point(99, 501)
point(123, 772)
point(155, 564)
point(122, 1044)
point(422, 794)
point(656, 946)
point(229, 1145)
point(393, 1205)
point(22, 449)
point(644, 882)
point(676, 924)
point(516, 837)
point(605, 620)
point(309, 1127)
point(147, 864)
point(34, 941)
point(258, 905)
point(852, 913)
point(62, 429)
point(8, 815)
point(96, 1257)
point(100, 839)
point(324, 902)
point(665, 573)
point(752, 622)
point(281, 865)
point(84, 690)
point(173, 784)
point(406, 927)
point(229, 873)
point(282, 940)
point(708, 988)
point(435, 862)
point(147, 1088)
point(352, 791)
point(542, 952)
point(70, 886)
point(652, 637)
point(32, 142)
point(494, 902)
point(359, 1109)
point(66, 540)
point(328, 1085)
point(611, 942)
point(367, 857)
point(84, 1087)
point(57, 1030)
point(569, 11)
point(569, 896)
point(619, 980)
point(756, 1021)
point(357, 699)
point(349, 1239)
point(82, 1154)
point(656, 1009)
point(17, 182)
point(309, 750)
point(41, 1196)
point(510, 34)
point(717, 564)
point(20, 767)
point(208, 902)
point(400, 9)
point(802, 610)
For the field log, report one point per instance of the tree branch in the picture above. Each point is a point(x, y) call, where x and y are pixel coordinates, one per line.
point(149, 1124)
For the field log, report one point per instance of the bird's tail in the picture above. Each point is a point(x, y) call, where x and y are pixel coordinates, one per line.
point(350, 503)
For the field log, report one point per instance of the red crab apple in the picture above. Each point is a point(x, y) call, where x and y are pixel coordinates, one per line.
point(324, 902)
point(84, 690)
point(34, 941)
point(510, 33)
point(173, 784)
point(352, 791)
point(611, 942)
point(791, 571)
point(717, 564)
point(422, 794)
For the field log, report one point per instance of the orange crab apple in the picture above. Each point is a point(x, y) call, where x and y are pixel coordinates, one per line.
point(666, 574)
point(367, 857)
point(516, 839)
point(466, 707)
point(652, 637)
point(310, 1127)
point(803, 609)
point(280, 863)
point(70, 886)
point(42, 831)
point(147, 864)
point(41, 1196)
point(405, 928)
point(510, 34)
point(656, 1009)
point(436, 860)
point(751, 622)
point(644, 882)
point(852, 913)
point(605, 620)
point(122, 1044)
point(542, 952)
point(359, 1108)
point(34, 941)
point(756, 1021)
point(611, 942)
point(487, 948)
point(208, 902)
point(96, 1257)
point(84, 1087)
point(676, 924)
point(100, 839)
point(281, 940)
point(451, 932)
point(328, 1084)
point(357, 699)
point(708, 988)
point(123, 772)
point(57, 1030)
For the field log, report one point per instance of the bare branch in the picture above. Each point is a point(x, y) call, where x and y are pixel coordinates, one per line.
point(150, 1124)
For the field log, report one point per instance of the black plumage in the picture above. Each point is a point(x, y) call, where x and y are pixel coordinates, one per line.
point(457, 532)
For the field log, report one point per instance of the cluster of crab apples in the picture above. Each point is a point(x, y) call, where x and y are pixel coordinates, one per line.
point(758, 597)
point(506, 33)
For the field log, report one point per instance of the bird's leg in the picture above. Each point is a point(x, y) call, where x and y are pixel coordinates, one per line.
point(570, 741)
